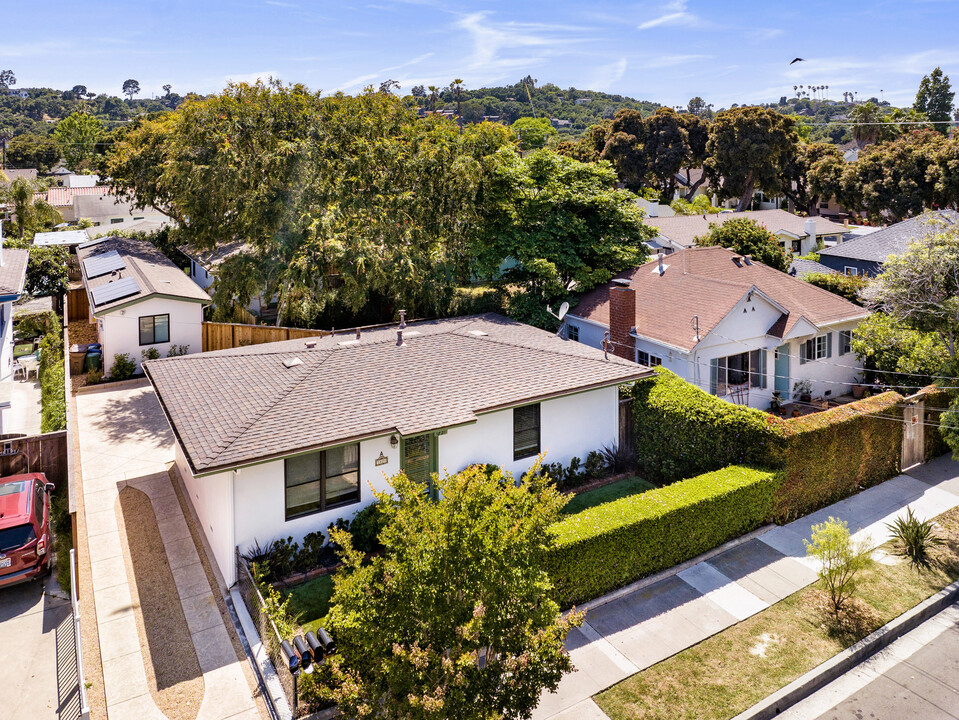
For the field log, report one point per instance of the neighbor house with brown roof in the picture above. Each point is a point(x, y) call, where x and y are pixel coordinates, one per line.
point(797, 234)
point(282, 439)
point(730, 325)
point(139, 300)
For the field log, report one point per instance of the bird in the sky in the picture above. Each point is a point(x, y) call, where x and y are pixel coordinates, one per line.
point(797, 60)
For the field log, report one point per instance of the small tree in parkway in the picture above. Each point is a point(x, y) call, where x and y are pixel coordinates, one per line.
point(455, 619)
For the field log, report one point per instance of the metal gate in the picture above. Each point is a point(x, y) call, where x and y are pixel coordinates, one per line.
point(913, 437)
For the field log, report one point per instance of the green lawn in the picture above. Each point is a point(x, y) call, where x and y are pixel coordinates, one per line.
point(730, 671)
point(607, 493)
point(311, 601)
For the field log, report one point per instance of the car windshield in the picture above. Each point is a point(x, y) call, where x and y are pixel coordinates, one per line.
point(12, 488)
point(16, 537)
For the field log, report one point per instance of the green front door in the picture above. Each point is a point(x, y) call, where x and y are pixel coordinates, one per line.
point(419, 459)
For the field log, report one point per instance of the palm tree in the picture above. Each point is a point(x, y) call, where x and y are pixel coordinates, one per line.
point(30, 214)
point(867, 128)
point(458, 84)
point(796, 90)
point(433, 95)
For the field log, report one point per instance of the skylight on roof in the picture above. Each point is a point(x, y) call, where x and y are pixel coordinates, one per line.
point(292, 362)
point(478, 333)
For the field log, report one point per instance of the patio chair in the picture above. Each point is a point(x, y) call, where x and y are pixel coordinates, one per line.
point(17, 368)
point(29, 363)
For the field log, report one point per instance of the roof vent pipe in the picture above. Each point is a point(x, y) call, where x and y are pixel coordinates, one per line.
point(748, 259)
point(311, 344)
point(662, 268)
point(399, 338)
point(738, 260)
point(402, 319)
point(357, 333)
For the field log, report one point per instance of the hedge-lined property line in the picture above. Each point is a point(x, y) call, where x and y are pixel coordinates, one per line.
point(611, 545)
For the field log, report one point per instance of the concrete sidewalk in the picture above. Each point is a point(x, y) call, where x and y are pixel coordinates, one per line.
point(675, 610)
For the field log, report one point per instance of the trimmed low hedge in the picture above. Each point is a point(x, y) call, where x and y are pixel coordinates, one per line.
point(833, 454)
point(682, 431)
point(611, 545)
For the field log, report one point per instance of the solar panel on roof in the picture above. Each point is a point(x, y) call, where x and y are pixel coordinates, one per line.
point(102, 264)
point(115, 290)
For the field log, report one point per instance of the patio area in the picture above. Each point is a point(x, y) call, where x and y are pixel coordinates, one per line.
point(24, 415)
point(799, 409)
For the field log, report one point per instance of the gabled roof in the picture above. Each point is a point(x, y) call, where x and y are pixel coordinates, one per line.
point(26, 173)
point(63, 196)
point(143, 262)
point(684, 229)
point(805, 267)
point(892, 240)
point(706, 283)
point(13, 272)
point(235, 407)
point(209, 259)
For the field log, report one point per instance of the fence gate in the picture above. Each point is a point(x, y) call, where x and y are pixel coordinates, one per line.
point(626, 423)
point(913, 437)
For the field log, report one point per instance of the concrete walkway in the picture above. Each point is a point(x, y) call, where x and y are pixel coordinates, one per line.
point(625, 633)
point(125, 440)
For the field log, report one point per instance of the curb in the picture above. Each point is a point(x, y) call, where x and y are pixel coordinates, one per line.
point(842, 663)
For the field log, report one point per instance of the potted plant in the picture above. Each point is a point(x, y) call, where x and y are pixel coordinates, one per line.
point(858, 388)
point(802, 389)
point(776, 402)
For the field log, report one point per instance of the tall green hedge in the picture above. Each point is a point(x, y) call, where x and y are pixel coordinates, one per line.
point(682, 431)
point(936, 402)
point(610, 545)
point(833, 454)
point(53, 401)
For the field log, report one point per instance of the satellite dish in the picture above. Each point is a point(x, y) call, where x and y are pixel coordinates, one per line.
point(563, 309)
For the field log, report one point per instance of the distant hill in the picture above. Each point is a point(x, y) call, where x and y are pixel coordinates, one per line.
point(581, 108)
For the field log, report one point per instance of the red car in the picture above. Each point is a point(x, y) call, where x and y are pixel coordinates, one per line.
point(25, 539)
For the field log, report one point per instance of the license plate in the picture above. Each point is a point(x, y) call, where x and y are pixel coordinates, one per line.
point(6, 562)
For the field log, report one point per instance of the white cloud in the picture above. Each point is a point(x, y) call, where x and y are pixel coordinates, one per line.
point(672, 13)
point(363, 80)
point(607, 75)
point(666, 61)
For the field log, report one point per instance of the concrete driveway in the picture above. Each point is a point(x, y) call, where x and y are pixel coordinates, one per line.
point(33, 626)
point(125, 442)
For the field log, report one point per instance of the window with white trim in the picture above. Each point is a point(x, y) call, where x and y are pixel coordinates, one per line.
point(845, 342)
point(645, 358)
point(817, 348)
point(850, 270)
point(322, 480)
point(748, 368)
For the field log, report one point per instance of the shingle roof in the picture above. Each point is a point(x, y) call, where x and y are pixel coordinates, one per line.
point(684, 229)
point(152, 270)
point(705, 282)
point(234, 407)
point(892, 240)
point(211, 258)
point(13, 272)
point(805, 267)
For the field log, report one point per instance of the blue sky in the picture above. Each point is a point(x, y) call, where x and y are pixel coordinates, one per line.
point(666, 51)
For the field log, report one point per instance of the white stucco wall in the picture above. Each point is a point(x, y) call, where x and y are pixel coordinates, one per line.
point(590, 333)
point(199, 275)
point(238, 508)
point(6, 340)
point(570, 426)
point(120, 328)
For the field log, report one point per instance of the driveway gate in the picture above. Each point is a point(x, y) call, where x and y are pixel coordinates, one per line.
point(913, 437)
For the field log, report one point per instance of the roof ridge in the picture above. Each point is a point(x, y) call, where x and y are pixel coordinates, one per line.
point(498, 341)
point(307, 372)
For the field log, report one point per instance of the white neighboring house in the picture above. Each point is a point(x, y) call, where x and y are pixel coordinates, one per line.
point(295, 435)
point(204, 265)
point(139, 299)
point(797, 234)
point(13, 274)
point(736, 328)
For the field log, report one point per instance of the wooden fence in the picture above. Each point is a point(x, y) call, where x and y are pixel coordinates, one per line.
point(78, 305)
point(223, 336)
point(45, 453)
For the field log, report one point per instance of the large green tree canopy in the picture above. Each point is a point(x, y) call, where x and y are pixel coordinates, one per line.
point(748, 150)
point(747, 237)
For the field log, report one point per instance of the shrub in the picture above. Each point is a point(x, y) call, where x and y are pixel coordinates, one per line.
point(936, 403)
point(833, 454)
point(887, 350)
point(178, 350)
point(595, 465)
point(841, 560)
point(367, 524)
point(53, 402)
point(618, 458)
point(914, 539)
point(94, 376)
point(847, 286)
point(682, 431)
point(608, 546)
point(150, 354)
point(123, 367)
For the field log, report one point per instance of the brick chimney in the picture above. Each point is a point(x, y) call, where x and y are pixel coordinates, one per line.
point(622, 318)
